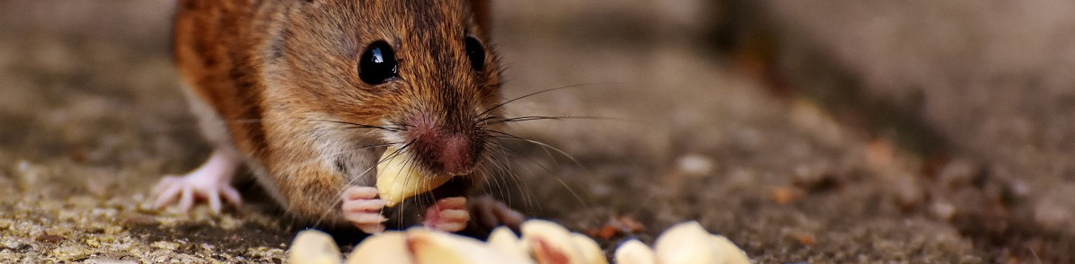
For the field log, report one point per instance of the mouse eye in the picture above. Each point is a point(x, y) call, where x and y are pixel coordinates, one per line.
point(476, 52)
point(378, 64)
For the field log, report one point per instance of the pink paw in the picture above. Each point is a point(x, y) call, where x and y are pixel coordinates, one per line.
point(363, 209)
point(449, 214)
point(210, 181)
point(490, 212)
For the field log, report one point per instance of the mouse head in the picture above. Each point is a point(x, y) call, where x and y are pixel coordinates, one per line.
point(418, 73)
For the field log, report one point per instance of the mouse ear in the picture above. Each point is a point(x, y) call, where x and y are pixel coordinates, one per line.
point(480, 8)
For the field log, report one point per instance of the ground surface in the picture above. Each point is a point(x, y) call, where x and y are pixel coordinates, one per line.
point(91, 116)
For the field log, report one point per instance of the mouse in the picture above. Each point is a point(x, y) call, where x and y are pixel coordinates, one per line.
point(308, 94)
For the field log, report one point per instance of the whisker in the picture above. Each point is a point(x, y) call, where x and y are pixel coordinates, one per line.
point(408, 165)
point(539, 143)
point(591, 211)
point(320, 158)
point(506, 169)
point(380, 145)
point(589, 207)
point(528, 195)
point(519, 182)
point(496, 181)
point(339, 195)
point(490, 165)
point(361, 126)
point(537, 118)
point(563, 183)
point(540, 92)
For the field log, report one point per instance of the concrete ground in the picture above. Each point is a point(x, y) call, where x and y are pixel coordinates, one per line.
point(763, 121)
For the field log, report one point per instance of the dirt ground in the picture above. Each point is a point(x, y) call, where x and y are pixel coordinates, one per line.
point(798, 151)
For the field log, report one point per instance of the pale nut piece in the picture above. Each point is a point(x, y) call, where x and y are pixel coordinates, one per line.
point(433, 247)
point(634, 252)
point(690, 243)
point(686, 243)
point(550, 243)
point(399, 179)
point(589, 251)
point(388, 247)
point(314, 247)
point(504, 240)
point(727, 252)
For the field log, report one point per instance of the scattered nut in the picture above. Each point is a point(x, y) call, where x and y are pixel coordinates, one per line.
point(431, 247)
point(589, 250)
point(550, 242)
point(314, 247)
point(387, 247)
point(691, 243)
point(543, 242)
point(685, 243)
point(727, 252)
point(504, 240)
point(634, 252)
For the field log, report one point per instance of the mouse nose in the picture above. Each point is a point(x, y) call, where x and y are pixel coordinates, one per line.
point(455, 155)
point(448, 154)
point(442, 151)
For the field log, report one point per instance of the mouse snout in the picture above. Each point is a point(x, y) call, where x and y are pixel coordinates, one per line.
point(444, 151)
point(455, 156)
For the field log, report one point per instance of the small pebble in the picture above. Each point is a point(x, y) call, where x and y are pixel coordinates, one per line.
point(109, 261)
point(31, 175)
point(907, 191)
point(960, 172)
point(49, 238)
point(1053, 214)
point(139, 219)
point(165, 245)
point(786, 195)
point(695, 165)
point(943, 210)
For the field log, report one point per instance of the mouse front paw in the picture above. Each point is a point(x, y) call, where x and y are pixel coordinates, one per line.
point(210, 181)
point(448, 214)
point(490, 213)
point(362, 208)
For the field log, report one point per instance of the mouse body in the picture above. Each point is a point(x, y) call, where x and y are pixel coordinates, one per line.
point(308, 94)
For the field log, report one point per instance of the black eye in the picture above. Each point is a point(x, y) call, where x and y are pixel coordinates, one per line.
point(378, 64)
point(476, 52)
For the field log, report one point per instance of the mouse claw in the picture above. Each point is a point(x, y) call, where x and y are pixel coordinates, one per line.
point(448, 214)
point(362, 208)
point(210, 181)
point(187, 190)
point(371, 228)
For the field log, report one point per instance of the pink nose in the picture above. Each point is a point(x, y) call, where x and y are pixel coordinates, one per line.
point(454, 156)
point(443, 150)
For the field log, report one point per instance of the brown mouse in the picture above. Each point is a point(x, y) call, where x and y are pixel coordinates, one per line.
point(309, 93)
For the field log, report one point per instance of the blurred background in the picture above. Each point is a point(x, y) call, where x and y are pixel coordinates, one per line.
point(805, 131)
